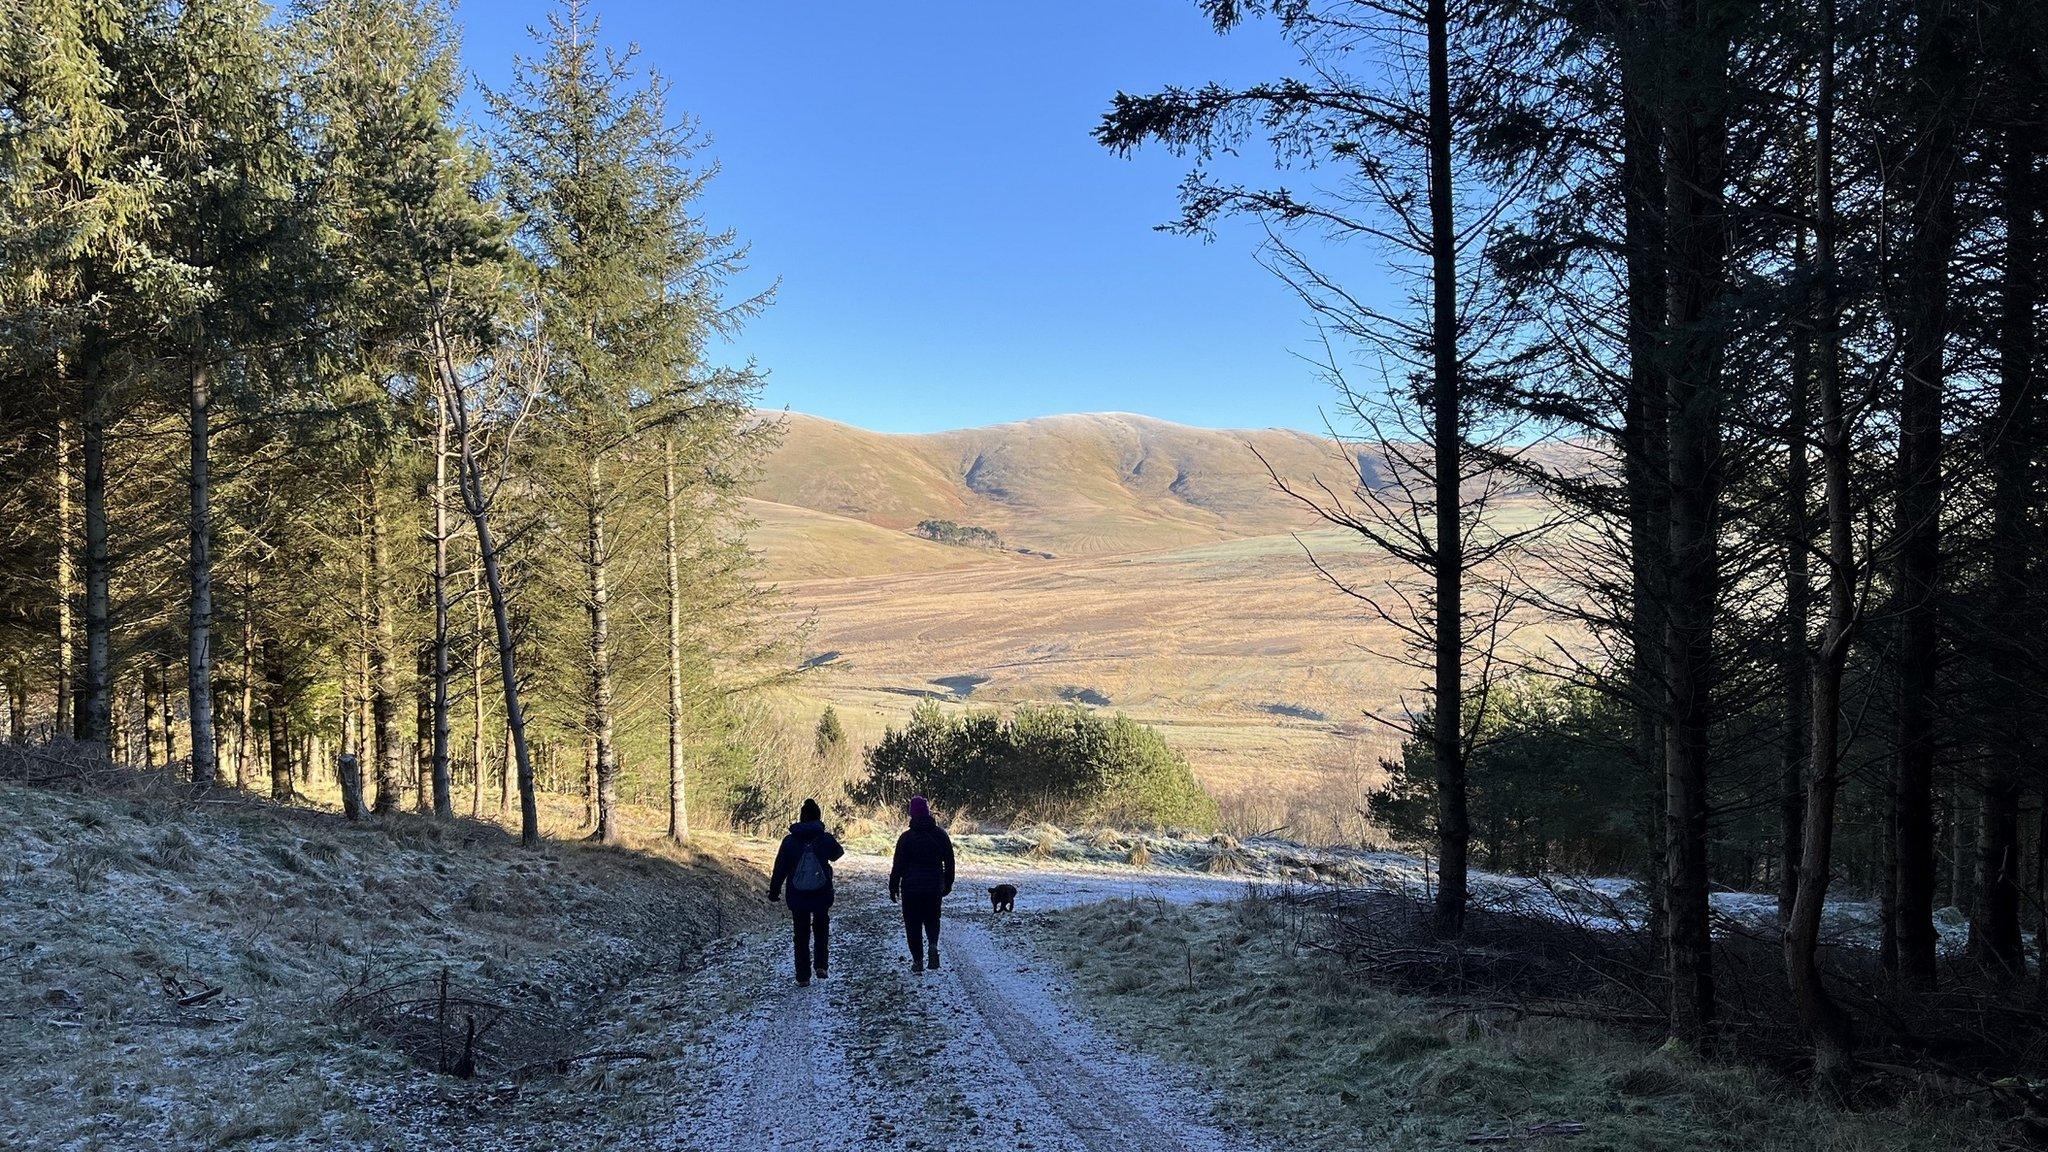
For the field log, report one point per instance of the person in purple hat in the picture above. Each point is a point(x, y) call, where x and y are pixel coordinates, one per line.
point(922, 876)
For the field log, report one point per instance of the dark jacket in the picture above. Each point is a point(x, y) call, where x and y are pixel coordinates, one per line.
point(801, 833)
point(924, 860)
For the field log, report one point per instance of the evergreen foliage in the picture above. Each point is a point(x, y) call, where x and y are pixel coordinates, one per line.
point(1551, 787)
point(1059, 763)
point(274, 314)
point(965, 535)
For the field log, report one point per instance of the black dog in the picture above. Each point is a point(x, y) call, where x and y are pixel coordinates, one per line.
point(1002, 898)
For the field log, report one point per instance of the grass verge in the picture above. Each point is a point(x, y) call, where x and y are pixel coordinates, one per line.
point(1307, 1056)
point(119, 907)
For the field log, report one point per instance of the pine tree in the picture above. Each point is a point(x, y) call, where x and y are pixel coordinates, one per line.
point(626, 290)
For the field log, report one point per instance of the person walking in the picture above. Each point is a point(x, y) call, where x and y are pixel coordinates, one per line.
point(804, 863)
point(922, 876)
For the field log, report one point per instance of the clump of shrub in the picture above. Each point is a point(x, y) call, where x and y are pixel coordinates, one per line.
point(1059, 763)
point(964, 535)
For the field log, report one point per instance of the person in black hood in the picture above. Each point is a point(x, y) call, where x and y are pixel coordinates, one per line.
point(804, 863)
point(922, 875)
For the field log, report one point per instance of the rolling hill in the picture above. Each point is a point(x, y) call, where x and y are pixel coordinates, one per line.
point(1146, 566)
point(1081, 485)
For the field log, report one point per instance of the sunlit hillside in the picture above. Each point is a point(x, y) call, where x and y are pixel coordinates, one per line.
point(1081, 485)
point(1147, 567)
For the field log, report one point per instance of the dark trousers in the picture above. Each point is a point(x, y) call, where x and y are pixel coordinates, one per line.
point(921, 922)
point(813, 932)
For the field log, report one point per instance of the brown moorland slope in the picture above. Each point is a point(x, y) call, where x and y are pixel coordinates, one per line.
point(1079, 485)
point(1150, 567)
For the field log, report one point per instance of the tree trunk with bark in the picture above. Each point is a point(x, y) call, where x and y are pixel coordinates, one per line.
point(678, 800)
point(149, 699)
point(199, 609)
point(1795, 663)
point(1995, 937)
point(1646, 445)
point(245, 694)
point(348, 770)
point(476, 502)
point(1936, 76)
point(604, 780)
point(67, 580)
point(1695, 146)
point(383, 645)
point(1453, 822)
point(1826, 1025)
point(91, 699)
point(277, 709)
point(444, 800)
point(476, 700)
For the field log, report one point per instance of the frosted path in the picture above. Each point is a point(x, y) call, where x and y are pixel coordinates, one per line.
point(985, 1053)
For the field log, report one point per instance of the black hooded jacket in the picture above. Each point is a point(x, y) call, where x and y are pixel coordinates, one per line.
point(802, 833)
point(924, 860)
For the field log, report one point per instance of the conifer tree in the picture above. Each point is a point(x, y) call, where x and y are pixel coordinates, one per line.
point(626, 286)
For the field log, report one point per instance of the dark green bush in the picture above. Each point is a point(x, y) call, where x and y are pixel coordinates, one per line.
point(965, 535)
point(1549, 784)
point(1059, 763)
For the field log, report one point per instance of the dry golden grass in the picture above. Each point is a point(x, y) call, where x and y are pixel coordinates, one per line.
point(1070, 485)
point(1180, 592)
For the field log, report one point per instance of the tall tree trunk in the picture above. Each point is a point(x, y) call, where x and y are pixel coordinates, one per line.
point(1453, 823)
point(149, 699)
point(1646, 437)
point(170, 716)
point(17, 706)
point(1825, 1023)
point(476, 501)
point(1936, 77)
point(2041, 901)
point(605, 779)
point(245, 692)
point(67, 580)
point(678, 801)
point(444, 801)
point(1795, 750)
point(383, 652)
point(365, 640)
point(1695, 143)
point(277, 709)
point(423, 723)
point(91, 698)
point(588, 783)
point(476, 699)
point(1995, 928)
point(199, 612)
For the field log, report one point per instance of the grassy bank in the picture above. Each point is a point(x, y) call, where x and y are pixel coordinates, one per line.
point(173, 963)
point(1308, 1056)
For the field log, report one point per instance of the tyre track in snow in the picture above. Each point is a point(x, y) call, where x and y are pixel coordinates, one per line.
point(1067, 1064)
point(982, 1054)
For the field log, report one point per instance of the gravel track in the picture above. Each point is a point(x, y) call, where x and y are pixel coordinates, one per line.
point(985, 1053)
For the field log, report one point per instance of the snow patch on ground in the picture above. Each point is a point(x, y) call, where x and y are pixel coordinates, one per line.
point(1108, 863)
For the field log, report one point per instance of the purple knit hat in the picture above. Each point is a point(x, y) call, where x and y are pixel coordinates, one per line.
point(920, 809)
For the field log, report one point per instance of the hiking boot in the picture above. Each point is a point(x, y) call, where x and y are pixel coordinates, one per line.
point(916, 963)
point(803, 981)
point(931, 960)
point(821, 973)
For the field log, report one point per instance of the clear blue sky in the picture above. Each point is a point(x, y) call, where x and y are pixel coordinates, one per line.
point(953, 248)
